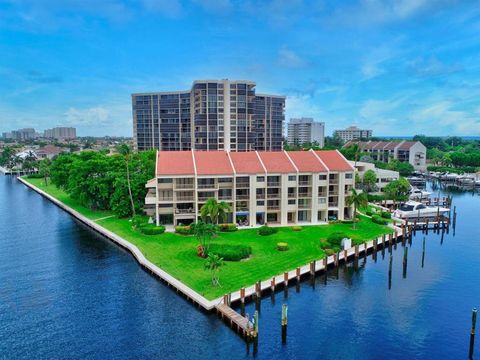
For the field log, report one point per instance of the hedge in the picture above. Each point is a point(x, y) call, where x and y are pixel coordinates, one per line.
point(386, 215)
point(296, 228)
point(230, 252)
point(227, 227)
point(151, 229)
point(336, 238)
point(184, 229)
point(266, 230)
point(282, 246)
point(377, 219)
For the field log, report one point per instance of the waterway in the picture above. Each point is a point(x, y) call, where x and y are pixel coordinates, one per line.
point(66, 292)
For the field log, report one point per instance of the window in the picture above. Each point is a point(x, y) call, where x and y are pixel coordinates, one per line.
point(291, 202)
point(164, 181)
point(322, 177)
point(260, 203)
point(260, 178)
point(348, 176)
point(292, 177)
point(322, 200)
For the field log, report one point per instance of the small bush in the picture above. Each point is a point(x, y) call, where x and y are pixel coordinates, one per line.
point(230, 252)
point(329, 252)
point(368, 213)
point(377, 219)
point(336, 238)
point(184, 229)
point(151, 229)
point(324, 244)
point(347, 221)
point(386, 215)
point(282, 246)
point(296, 228)
point(139, 220)
point(266, 230)
point(227, 227)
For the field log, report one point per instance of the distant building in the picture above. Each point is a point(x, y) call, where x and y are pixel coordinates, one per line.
point(353, 133)
point(212, 115)
point(306, 130)
point(413, 152)
point(60, 133)
point(20, 134)
point(49, 152)
point(383, 176)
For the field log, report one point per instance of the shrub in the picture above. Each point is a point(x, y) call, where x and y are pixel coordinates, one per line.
point(227, 227)
point(377, 219)
point(230, 252)
point(266, 230)
point(35, 176)
point(348, 221)
point(329, 252)
point(336, 238)
point(184, 229)
point(282, 246)
point(368, 213)
point(324, 244)
point(296, 228)
point(386, 215)
point(139, 220)
point(151, 229)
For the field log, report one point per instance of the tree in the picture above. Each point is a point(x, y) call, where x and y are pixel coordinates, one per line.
point(213, 210)
point(204, 233)
point(214, 263)
point(356, 199)
point(397, 189)
point(125, 150)
point(44, 169)
point(369, 180)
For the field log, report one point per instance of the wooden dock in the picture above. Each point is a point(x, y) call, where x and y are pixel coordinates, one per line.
point(237, 322)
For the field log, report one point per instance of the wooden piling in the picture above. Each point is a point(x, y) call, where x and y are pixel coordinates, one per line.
point(285, 279)
point(284, 322)
point(272, 285)
point(356, 251)
point(242, 295)
point(472, 332)
point(312, 267)
point(335, 260)
point(345, 255)
point(298, 274)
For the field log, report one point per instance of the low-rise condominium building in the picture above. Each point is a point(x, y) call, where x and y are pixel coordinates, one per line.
point(353, 133)
point(278, 187)
point(413, 152)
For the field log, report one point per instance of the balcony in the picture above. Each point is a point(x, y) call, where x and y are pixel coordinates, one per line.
point(242, 185)
point(225, 197)
point(165, 198)
point(224, 185)
point(304, 183)
point(333, 203)
point(260, 196)
point(273, 207)
point(185, 198)
point(184, 186)
point(273, 196)
point(241, 208)
point(304, 205)
point(304, 194)
point(243, 197)
point(292, 195)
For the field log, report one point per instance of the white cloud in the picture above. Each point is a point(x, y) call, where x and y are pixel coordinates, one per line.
point(289, 58)
point(425, 67)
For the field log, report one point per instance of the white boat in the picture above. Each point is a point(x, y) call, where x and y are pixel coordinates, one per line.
point(418, 194)
point(414, 209)
point(416, 180)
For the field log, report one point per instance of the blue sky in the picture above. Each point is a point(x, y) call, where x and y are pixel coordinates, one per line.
point(400, 67)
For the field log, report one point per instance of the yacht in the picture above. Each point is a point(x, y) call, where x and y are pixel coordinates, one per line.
point(414, 209)
point(418, 194)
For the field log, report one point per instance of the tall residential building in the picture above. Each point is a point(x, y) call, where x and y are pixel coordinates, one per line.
point(212, 115)
point(20, 134)
point(274, 187)
point(60, 133)
point(306, 130)
point(353, 133)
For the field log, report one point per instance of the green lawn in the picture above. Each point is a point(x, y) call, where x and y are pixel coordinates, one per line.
point(176, 254)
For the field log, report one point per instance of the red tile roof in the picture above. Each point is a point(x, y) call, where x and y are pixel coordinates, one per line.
point(276, 162)
point(212, 163)
point(246, 162)
point(306, 161)
point(406, 145)
point(175, 163)
point(334, 160)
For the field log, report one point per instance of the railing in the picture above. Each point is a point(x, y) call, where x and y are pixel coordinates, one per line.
point(273, 196)
point(184, 211)
point(292, 195)
point(304, 183)
point(322, 194)
point(273, 207)
point(225, 197)
point(304, 206)
point(207, 186)
point(304, 195)
point(242, 185)
point(243, 197)
point(225, 185)
point(333, 203)
point(203, 198)
point(333, 193)
point(184, 186)
point(185, 198)
point(273, 183)
point(165, 199)
point(260, 196)
point(241, 208)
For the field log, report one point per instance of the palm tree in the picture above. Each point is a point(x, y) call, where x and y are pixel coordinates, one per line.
point(213, 263)
point(357, 200)
point(125, 150)
point(44, 169)
point(204, 233)
point(214, 210)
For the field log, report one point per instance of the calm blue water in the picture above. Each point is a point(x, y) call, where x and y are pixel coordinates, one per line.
point(67, 293)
